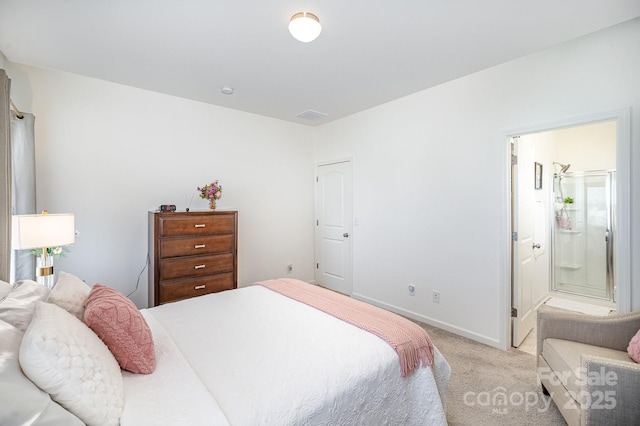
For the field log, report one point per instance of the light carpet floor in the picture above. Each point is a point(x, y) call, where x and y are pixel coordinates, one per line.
point(482, 378)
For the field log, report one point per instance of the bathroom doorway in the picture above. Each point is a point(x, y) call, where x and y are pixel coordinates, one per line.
point(577, 148)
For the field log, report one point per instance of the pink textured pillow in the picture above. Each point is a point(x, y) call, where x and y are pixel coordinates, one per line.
point(121, 326)
point(634, 347)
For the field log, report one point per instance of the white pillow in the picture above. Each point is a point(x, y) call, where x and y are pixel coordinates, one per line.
point(17, 307)
point(5, 288)
point(70, 293)
point(68, 361)
point(23, 402)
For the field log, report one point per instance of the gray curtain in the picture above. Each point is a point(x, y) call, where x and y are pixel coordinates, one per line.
point(23, 159)
point(5, 178)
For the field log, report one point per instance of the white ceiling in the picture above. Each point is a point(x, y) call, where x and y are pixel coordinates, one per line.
point(369, 52)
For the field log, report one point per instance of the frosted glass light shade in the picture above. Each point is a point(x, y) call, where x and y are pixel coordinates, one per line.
point(305, 26)
point(32, 231)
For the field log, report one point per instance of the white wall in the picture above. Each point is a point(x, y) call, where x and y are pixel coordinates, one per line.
point(109, 153)
point(588, 147)
point(430, 176)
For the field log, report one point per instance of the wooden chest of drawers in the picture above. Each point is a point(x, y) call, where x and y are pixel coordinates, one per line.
point(191, 254)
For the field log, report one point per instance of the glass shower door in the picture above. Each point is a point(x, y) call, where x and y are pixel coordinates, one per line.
point(583, 232)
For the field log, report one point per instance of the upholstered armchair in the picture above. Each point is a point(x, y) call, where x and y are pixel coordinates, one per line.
point(584, 366)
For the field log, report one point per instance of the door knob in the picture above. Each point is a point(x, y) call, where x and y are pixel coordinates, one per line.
point(536, 245)
point(346, 235)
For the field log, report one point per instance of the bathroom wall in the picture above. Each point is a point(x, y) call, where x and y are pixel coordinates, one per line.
point(590, 147)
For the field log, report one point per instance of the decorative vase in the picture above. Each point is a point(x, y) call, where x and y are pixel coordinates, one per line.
point(212, 204)
point(44, 271)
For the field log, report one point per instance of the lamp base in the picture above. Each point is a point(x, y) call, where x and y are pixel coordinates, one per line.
point(44, 271)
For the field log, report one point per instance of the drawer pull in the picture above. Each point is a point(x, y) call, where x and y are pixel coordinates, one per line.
point(199, 287)
point(199, 225)
point(199, 246)
point(199, 266)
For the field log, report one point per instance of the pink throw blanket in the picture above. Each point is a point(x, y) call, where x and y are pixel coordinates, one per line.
point(408, 339)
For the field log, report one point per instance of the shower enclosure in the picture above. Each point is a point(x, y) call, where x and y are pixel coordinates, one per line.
point(583, 232)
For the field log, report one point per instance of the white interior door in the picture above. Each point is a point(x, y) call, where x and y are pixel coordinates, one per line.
point(334, 219)
point(523, 199)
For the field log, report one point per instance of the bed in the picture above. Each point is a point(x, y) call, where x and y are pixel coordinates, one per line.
point(252, 356)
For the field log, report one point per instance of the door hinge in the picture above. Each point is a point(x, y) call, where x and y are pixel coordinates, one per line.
point(514, 313)
point(514, 160)
point(317, 266)
point(317, 222)
point(317, 179)
point(514, 236)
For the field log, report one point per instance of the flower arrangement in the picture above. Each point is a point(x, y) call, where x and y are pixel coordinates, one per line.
point(51, 251)
point(211, 192)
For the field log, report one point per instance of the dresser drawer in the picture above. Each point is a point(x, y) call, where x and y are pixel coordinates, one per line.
point(195, 266)
point(184, 289)
point(209, 244)
point(197, 225)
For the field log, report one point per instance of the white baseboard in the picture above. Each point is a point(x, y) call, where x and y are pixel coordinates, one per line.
point(433, 322)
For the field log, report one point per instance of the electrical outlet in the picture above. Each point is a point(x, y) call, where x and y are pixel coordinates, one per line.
point(289, 268)
point(436, 296)
point(412, 290)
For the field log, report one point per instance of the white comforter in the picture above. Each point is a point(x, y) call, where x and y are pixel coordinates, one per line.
point(254, 357)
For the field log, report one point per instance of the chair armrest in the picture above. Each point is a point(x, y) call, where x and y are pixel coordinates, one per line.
point(611, 331)
point(610, 391)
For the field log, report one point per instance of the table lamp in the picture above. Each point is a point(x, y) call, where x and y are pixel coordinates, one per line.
point(43, 231)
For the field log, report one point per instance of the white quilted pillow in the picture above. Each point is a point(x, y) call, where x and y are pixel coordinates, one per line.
point(70, 293)
point(21, 401)
point(68, 361)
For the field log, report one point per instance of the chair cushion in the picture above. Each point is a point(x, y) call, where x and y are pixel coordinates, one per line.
point(564, 358)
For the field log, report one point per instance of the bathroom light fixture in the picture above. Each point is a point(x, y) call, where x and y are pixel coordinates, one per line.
point(305, 26)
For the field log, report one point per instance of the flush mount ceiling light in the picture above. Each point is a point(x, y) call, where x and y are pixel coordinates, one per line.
point(305, 26)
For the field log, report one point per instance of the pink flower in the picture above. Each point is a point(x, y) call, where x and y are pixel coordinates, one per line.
point(211, 191)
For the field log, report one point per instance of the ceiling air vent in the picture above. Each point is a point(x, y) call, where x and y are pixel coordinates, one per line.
point(311, 115)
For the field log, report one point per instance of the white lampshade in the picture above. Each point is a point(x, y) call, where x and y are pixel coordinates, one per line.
point(33, 231)
point(305, 26)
